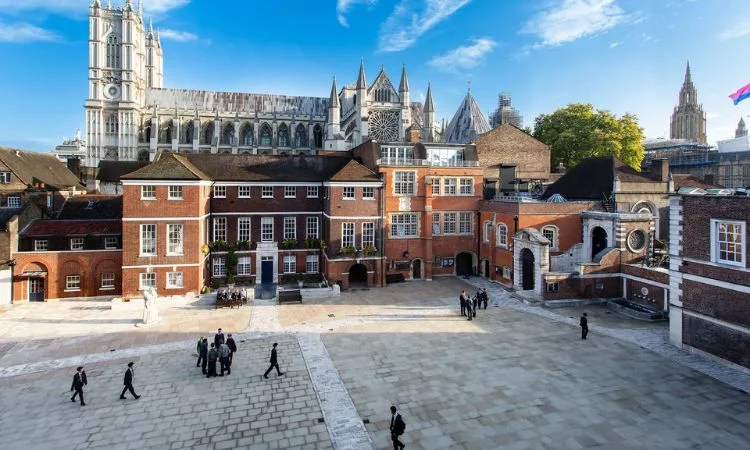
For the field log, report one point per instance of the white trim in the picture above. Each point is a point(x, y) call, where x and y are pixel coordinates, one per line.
point(622, 275)
point(44, 252)
point(268, 213)
point(717, 283)
point(162, 219)
point(352, 217)
point(161, 266)
point(714, 241)
point(266, 183)
point(354, 183)
point(354, 258)
point(165, 183)
point(716, 321)
point(710, 263)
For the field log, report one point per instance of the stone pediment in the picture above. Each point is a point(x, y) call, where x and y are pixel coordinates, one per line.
point(531, 235)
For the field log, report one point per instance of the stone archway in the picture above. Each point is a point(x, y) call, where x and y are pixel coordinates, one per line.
point(464, 263)
point(358, 274)
point(598, 241)
point(527, 269)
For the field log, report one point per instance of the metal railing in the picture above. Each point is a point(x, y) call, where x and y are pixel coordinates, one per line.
point(424, 163)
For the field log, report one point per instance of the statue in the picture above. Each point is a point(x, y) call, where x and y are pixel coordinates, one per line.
point(150, 312)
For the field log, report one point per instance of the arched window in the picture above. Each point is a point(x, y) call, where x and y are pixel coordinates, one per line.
point(208, 133)
point(165, 133)
point(300, 137)
point(487, 231)
point(550, 232)
point(383, 95)
point(246, 135)
point(113, 51)
point(318, 136)
point(501, 235)
point(112, 126)
point(187, 132)
point(146, 132)
point(265, 135)
point(227, 137)
point(283, 135)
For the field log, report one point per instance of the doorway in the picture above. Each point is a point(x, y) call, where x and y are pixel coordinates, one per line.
point(358, 274)
point(463, 263)
point(416, 269)
point(527, 269)
point(36, 289)
point(266, 270)
point(598, 241)
point(486, 268)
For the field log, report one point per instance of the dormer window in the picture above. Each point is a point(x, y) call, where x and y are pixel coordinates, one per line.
point(4, 177)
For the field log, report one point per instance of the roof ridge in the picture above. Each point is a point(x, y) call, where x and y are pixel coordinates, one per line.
point(190, 166)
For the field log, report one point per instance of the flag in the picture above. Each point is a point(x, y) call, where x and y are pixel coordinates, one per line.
point(741, 94)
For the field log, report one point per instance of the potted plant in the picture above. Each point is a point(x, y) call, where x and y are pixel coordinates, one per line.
point(289, 243)
point(348, 250)
point(369, 250)
point(243, 245)
point(231, 261)
point(205, 248)
point(300, 279)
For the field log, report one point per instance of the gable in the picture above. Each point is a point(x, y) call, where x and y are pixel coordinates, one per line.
point(510, 145)
point(382, 90)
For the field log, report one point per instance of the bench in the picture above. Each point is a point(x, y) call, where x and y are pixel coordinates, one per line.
point(222, 302)
point(290, 296)
point(394, 278)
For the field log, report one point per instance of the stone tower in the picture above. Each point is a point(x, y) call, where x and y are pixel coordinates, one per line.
point(741, 130)
point(688, 119)
point(125, 59)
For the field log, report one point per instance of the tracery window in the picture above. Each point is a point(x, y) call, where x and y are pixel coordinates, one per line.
point(113, 52)
point(208, 133)
point(187, 132)
point(384, 125)
point(165, 134)
point(265, 135)
point(112, 126)
point(283, 135)
point(300, 136)
point(383, 95)
point(318, 136)
point(247, 135)
point(227, 137)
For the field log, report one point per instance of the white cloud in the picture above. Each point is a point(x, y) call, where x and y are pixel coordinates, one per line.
point(81, 7)
point(465, 56)
point(737, 31)
point(25, 32)
point(179, 36)
point(343, 6)
point(569, 20)
point(407, 23)
point(615, 44)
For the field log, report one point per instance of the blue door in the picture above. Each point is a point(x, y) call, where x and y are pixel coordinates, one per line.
point(266, 270)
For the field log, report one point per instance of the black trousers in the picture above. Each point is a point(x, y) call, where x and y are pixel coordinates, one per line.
point(397, 445)
point(474, 309)
point(485, 303)
point(231, 357)
point(276, 365)
point(200, 359)
point(204, 364)
point(584, 332)
point(128, 387)
point(469, 312)
point(463, 308)
point(225, 365)
point(79, 393)
point(211, 368)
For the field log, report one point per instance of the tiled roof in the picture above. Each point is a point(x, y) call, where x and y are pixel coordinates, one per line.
point(43, 167)
point(72, 228)
point(593, 178)
point(683, 180)
point(6, 214)
point(112, 171)
point(167, 167)
point(354, 171)
point(91, 207)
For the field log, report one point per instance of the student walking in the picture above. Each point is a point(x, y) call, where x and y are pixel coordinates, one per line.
point(219, 339)
point(398, 426)
point(199, 349)
point(462, 300)
point(584, 326)
point(475, 304)
point(232, 347)
point(79, 381)
point(274, 362)
point(204, 355)
point(468, 308)
point(213, 354)
point(129, 375)
point(224, 359)
point(485, 298)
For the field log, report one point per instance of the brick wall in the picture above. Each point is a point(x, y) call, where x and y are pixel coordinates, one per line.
point(726, 343)
point(697, 214)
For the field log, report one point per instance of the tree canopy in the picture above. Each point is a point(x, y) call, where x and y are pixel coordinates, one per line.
point(579, 131)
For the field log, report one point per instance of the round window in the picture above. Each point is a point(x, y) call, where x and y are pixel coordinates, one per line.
point(112, 91)
point(636, 240)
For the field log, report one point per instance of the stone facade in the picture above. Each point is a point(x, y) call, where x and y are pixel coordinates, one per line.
point(688, 119)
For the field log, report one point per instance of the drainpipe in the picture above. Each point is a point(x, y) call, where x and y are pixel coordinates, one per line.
point(479, 240)
point(381, 213)
point(209, 231)
point(515, 224)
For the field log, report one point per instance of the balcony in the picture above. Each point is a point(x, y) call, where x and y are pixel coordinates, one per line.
point(424, 163)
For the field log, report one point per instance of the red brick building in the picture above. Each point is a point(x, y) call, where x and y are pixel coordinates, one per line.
point(75, 254)
point(197, 219)
point(431, 203)
point(710, 276)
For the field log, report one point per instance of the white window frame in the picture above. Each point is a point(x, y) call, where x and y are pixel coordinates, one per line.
point(219, 229)
point(241, 194)
point(436, 220)
point(107, 281)
point(242, 266)
point(13, 201)
point(506, 272)
point(175, 280)
point(219, 192)
point(148, 192)
point(450, 223)
point(110, 243)
point(405, 188)
point(368, 193)
point(175, 247)
point(290, 228)
point(399, 221)
point(436, 186)
point(487, 228)
point(244, 229)
point(312, 264)
point(450, 186)
point(312, 228)
point(313, 191)
point(72, 283)
point(348, 235)
point(219, 266)
point(349, 193)
point(555, 236)
point(289, 264)
point(146, 276)
point(504, 235)
point(368, 234)
point(264, 221)
point(464, 183)
point(4, 177)
point(264, 192)
point(152, 230)
point(290, 191)
point(462, 222)
point(175, 193)
point(77, 243)
point(41, 245)
point(716, 247)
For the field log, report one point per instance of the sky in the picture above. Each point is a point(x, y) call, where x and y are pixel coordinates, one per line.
point(624, 56)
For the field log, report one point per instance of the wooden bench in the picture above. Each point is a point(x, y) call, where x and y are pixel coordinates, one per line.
point(394, 278)
point(220, 303)
point(290, 296)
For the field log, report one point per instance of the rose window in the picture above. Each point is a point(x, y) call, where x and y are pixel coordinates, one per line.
point(383, 126)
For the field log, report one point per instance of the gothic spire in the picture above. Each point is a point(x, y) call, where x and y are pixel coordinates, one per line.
point(688, 78)
point(361, 80)
point(334, 95)
point(741, 130)
point(404, 85)
point(428, 106)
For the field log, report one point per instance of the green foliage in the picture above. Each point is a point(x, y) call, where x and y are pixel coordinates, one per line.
point(288, 278)
point(231, 279)
point(313, 243)
point(288, 243)
point(579, 131)
point(232, 259)
point(244, 245)
point(348, 250)
point(369, 250)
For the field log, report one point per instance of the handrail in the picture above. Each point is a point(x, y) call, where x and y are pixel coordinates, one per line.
point(424, 163)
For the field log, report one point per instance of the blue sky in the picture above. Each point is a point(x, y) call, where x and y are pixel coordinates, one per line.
point(620, 55)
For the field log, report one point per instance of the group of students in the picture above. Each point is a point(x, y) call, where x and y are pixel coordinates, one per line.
point(470, 305)
point(222, 350)
point(80, 380)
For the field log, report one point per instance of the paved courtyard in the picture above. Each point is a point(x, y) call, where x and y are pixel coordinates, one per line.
point(517, 377)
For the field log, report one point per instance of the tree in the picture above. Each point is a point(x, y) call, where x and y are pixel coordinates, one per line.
point(579, 131)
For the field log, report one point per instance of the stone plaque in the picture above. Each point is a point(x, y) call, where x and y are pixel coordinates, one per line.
point(404, 204)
